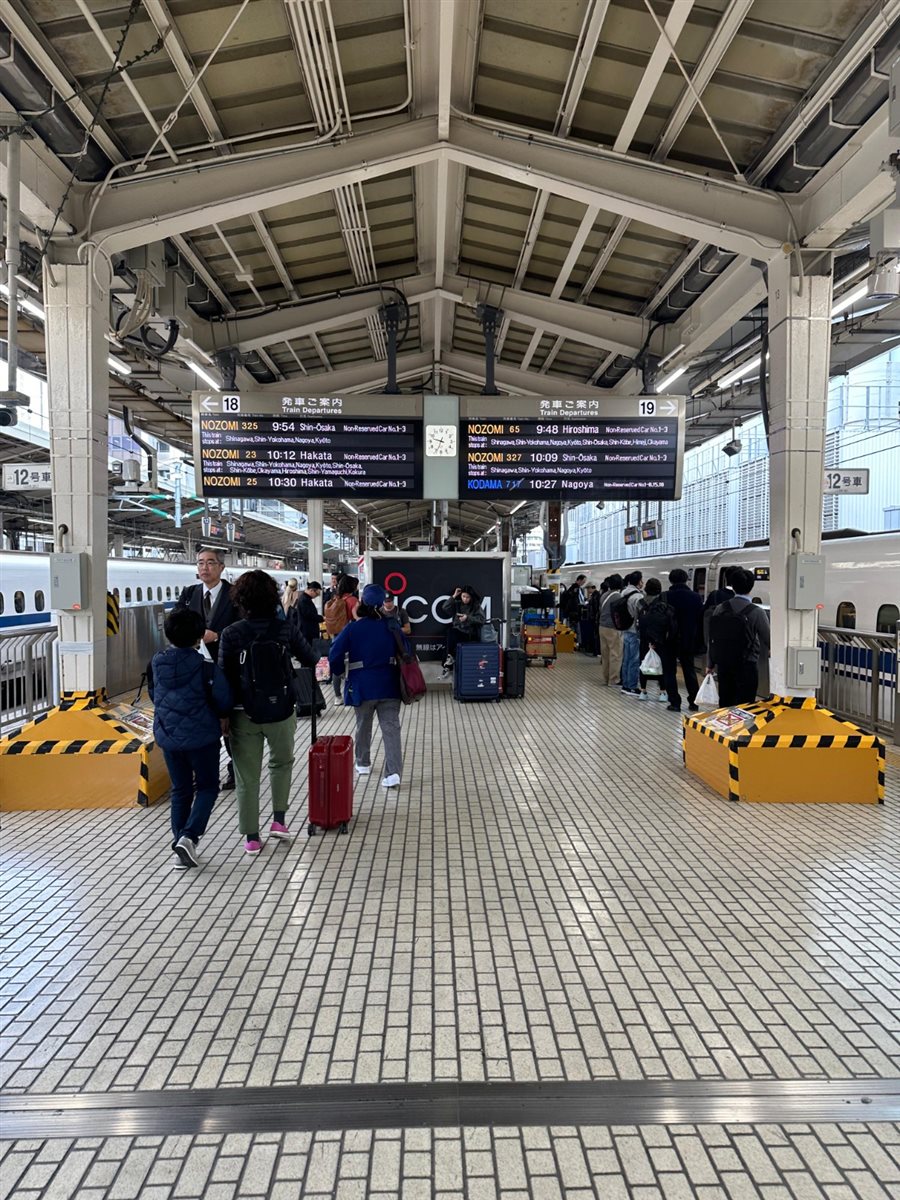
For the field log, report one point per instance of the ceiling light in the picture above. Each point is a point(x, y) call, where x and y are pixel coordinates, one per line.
point(347, 504)
point(116, 364)
point(202, 374)
point(521, 504)
point(670, 379)
point(849, 300)
point(671, 354)
point(26, 305)
point(375, 529)
point(747, 369)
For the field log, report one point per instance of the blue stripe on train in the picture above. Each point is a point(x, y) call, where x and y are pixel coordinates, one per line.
point(856, 662)
point(20, 619)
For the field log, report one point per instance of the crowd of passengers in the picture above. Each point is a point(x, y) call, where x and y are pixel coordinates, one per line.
point(625, 618)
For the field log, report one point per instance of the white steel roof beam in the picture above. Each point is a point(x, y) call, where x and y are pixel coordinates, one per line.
point(675, 22)
point(145, 208)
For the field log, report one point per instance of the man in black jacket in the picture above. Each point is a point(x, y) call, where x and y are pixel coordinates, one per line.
point(713, 600)
point(305, 612)
point(739, 636)
point(211, 598)
point(688, 607)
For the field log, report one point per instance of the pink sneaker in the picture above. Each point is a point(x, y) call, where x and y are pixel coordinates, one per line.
point(252, 846)
point(277, 830)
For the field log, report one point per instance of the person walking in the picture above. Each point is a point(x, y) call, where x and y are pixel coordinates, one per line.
point(739, 635)
point(365, 651)
point(625, 613)
point(338, 613)
point(212, 599)
point(255, 654)
point(395, 614)
point(688, 606)
point(191, 698)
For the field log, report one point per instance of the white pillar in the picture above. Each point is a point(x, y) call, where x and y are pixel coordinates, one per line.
point(315, 529)
point(77, 309)
point(799, 350)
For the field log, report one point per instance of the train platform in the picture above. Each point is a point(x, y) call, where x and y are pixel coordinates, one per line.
point(552, 964)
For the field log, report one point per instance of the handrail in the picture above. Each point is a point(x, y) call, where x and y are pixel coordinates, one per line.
point(860, 677)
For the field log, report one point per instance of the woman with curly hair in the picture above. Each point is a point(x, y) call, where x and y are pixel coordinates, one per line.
point(255, 654)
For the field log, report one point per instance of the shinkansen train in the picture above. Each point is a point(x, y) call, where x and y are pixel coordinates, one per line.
point(25, 585)
point(862, 576)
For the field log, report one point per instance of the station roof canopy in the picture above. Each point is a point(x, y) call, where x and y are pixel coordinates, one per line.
point(613, 174)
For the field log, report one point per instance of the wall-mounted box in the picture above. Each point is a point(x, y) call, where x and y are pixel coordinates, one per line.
point(69, 586)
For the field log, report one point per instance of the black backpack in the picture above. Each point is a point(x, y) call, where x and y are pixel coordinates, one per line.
point(731, 635)
point(268, 685)
point(619, 611)
point(658, 623)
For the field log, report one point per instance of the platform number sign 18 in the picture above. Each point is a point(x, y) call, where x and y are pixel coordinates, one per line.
point(647, 407)
point(231, 404)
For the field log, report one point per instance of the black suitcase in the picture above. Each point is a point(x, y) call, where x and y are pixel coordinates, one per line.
point(476, 672)
point(514, 685)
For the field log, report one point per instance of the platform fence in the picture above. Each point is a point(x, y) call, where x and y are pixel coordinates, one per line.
point(29, 676)
point(860, 678)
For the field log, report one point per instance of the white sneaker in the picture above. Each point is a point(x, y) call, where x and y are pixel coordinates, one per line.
point(663, 698)
point(643, 696)
point(338, 702)
point(186, 850)
point(363, 770)
point(391, 781)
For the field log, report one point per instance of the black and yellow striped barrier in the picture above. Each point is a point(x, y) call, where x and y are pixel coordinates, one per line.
point(112, 614)
point(749, 753)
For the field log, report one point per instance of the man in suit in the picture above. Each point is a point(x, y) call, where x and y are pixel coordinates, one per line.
point(211, 598)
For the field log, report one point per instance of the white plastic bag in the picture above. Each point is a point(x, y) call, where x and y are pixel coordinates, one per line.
point(709, 692)
point(652, 663)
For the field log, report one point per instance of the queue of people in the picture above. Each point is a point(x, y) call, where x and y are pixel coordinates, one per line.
point(625, 618)
point(229, 673)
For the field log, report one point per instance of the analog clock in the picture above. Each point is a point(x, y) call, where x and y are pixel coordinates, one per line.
point(440, 441)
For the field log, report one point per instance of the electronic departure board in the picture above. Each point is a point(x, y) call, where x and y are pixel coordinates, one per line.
point(599, 448)
point(266, 444)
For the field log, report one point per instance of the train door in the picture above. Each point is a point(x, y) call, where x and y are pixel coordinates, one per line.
point(699, 582)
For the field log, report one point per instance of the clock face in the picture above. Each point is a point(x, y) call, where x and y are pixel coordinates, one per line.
point(440, 441)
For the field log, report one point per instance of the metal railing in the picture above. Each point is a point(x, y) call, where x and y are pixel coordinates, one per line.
point(29, 676)
point(860, 677)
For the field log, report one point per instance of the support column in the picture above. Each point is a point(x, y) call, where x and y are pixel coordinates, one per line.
point(553, 542)
point(77, 309)
point(799, 350)
point(315, 528)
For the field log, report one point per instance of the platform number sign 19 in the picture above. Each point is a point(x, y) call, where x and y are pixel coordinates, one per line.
point(647, 407)
point(231, 404)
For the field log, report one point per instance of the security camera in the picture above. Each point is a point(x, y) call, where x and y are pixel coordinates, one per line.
point(8, 417)
point(733, 447)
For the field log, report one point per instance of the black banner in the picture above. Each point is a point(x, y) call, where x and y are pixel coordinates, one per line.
point(421, 581)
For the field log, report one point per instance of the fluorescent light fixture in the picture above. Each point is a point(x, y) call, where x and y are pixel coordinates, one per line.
point(521, 504)
point(848, 301)
point(347, 504)
point(202, 374)
point(375, 529)
point(201, 354)
point(670, 379)
point(864, 266)
point(747, 369)
point(26, 305)
point(116, 364)
point(671, 354)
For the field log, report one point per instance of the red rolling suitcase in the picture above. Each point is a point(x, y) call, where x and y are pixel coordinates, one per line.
point(330, 783)
point(330, 778)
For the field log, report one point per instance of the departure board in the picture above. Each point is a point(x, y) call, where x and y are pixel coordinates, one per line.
point(266, 444)
point(607, 448)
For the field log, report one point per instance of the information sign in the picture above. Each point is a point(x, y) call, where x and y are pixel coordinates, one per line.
point(599, 448)
point(846, 481)
point(27, 477)
point(268, 444)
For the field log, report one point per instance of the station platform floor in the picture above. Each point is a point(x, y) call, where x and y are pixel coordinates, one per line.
point(552, 964)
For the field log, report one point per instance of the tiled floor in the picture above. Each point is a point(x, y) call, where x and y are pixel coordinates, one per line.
point(548, 895)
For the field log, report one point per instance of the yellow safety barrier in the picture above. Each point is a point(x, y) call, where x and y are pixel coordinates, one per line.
point(112, 614)
point(760, 753)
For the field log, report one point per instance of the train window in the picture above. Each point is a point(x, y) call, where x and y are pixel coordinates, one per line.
point(38, 601)
point(846, 615)
point(722, 580)
point(168, 593)
point(19, 601)
point(700, 581)
point(2, 603)
point(159, 593)
point(139, 594)
point(128, 595)
point(116, 593)
point(888, 616)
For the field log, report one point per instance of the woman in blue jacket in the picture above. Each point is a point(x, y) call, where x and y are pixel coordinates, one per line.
point(373, 682)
